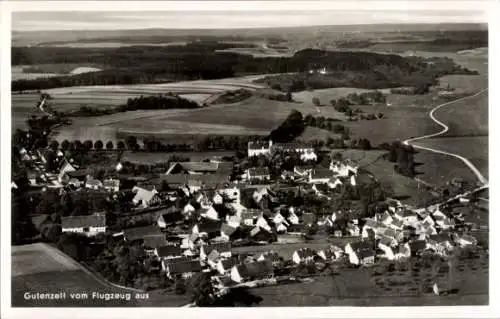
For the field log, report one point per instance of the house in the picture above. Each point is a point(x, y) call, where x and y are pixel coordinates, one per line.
point(301, 148)
point(403, 251)
point(89, 225)
point(309, 156)
point(222, 248)
point(209, 213)
point(250, 216)
point(227, 230)
point(386, 218)
point(262, 223)
point(333, 183)
point(252, 271)
point(278, 218)
point(192, 168)
point(319, 176)
point(111, 185)
point(237, 208)
point(303, 255)
point(170, 219)
point(397, 224)
point(387, 245)
point(360, 253)
point(308, 219)
point(272, 256)
point(260, 235)
point(188, 209)
point(407, 216)
point(207, 228)
point(466, 240)
point(257, 173)
point(152, 242)
point(183, 268)
point(145, 198)
point(139, 233)
point(92, 183)
point(417, 247)
point(65, 169)
point(233, 220)
point(232, 194)
point(292, 217)
point(302, 171)
point(342, 169)
point(287, 175)
point(321, 189)
point(224, 266)
point(257, 148)
point(353, 230)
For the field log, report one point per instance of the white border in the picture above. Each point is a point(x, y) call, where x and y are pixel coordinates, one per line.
point(286, 312)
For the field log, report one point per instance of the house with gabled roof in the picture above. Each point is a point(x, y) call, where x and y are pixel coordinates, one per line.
point(145, 197)
point(249, 217)
point(209, 213)
point(223, 249)
point(303, 255)
point(138, 233)
point(417, 247)
point(256, 148)
point(89, 225)
point(272, 256)
point(182, 268)
point(260, 235)
point(403, 251)
point(252, 271)
point(292, 218)
point(152, 242)
point(257, 173)
point(466, 240)
point(302, 170)
point(168, 219)
point(66, 167)
point(319, 176)
point(225, 265)
point(92, 183)
point(207, 228)
point(192, 168)
point(111, 185)
point(388, 246)
point(360, 253)
point(227, 230)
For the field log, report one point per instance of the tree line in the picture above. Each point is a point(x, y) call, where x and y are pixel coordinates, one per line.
point(403, 157)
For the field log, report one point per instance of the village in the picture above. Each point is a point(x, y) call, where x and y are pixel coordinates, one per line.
point(205, 217)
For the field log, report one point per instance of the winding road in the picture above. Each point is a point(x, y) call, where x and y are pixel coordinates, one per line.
point(445, 129)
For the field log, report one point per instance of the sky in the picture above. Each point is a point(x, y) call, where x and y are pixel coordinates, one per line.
point(218, 19)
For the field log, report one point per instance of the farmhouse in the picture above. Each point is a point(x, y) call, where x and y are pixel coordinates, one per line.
point(183, 268)
point(252, 271)
point(224, 266)
point(257, 173)
point(223, 249)
point(257, 148)
point(208, 228)
point(360, 253)
point(309, 156)
point(89, 225)
point(192, 168)
point(303, 255)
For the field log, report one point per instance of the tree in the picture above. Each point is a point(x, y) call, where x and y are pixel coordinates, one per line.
point(120, 146)
point(131, 142)
point(98, 145)
point(203, 290)
point(65, 145)
point(289, 96)
point(54, 145)
point(316, 101)
point(109, 145)
point(87, 145)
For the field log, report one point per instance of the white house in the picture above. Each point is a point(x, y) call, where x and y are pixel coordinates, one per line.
point(334, 183)
point(387, 246)
point(319, 176)
point(403, 251)
point(145, 197)
point(111, 185)
point(89, 225)
point(224, 266)
point(257, 148)
point(252, 271)
point(292, 217)
point(466, 240)
point(93, 184)
point(262, 223)
point(303, 255)
point(188, 209)
point(281, 228)
point(360, 253)
point(232, 193)
point(309, 156)
point(209, 213)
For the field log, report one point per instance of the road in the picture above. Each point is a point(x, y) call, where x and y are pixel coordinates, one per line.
point(445, 129)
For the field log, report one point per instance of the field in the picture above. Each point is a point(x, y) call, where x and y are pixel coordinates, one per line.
point(474, 148)
point(154, 158)
point(44, 269)
point(360, 287)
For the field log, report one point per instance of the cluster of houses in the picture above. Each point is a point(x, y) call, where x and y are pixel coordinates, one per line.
point(216, 215)
point(267, 148)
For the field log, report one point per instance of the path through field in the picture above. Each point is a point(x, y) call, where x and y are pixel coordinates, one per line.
point(445, 129)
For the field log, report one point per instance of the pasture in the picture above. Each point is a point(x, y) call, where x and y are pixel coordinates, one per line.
point(155, 158)
point(474, 148)
point(400, 287)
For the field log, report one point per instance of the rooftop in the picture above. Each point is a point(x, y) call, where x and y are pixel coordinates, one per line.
point(95, 220)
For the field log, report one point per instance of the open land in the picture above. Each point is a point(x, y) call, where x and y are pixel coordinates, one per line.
point(44, 269)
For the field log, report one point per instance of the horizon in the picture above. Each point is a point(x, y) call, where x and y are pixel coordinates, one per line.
point(232, 20)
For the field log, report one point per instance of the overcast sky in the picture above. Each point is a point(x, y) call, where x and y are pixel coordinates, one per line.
point(37, 21)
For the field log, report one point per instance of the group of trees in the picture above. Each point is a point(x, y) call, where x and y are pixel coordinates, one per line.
point(403, 156)
point(328, 124)
point(292, 127)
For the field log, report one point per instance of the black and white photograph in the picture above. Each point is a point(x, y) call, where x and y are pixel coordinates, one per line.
point(286, 154)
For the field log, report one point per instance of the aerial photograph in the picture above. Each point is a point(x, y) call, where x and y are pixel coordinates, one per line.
point(265, 158)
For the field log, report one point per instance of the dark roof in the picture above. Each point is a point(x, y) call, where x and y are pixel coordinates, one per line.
point(208, 180)
point(321, 173)
point(256, 269)
point(230, 262)
point(417, 245)
point(95, 220)
point(135, 233)
point(257, 145)
point(219, 247)
point(209, 226)
point(81, 173)
point(200, 166)
point(181, 267)
point(251, 213)
point(322, 188)
point(293, 145)
point(305, 253)
point(227, 229)
point(360, 245)
point(366, 252)
point(308, 218)
point(173, 217)
point(154, 241)
point(258, 171)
